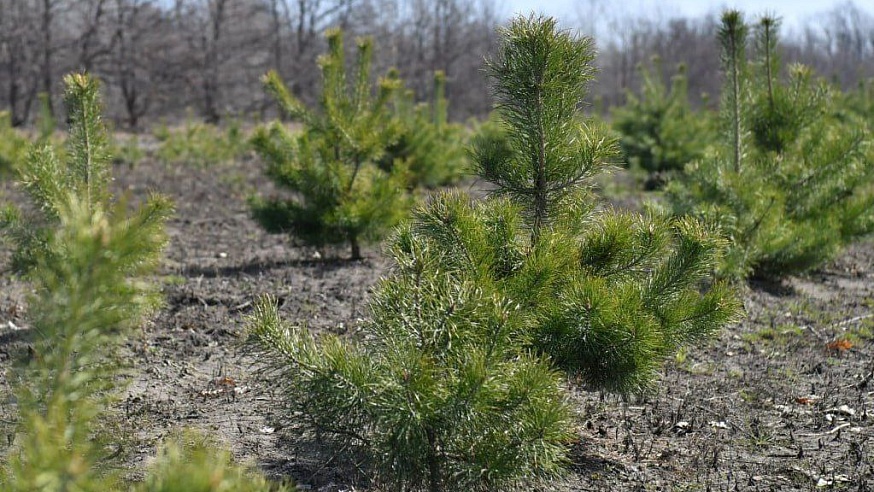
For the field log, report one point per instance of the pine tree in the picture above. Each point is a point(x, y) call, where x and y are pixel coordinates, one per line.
point(439, 395)
point(191, 462)
point(341, 195)
point(451, 386)
point(432, 148)
point(86, 262)
point(790, 185)
point(46, 123)
point(860, 101)
point(609, 293)
point(660, 132)
point(88, 271)
point(200, 144)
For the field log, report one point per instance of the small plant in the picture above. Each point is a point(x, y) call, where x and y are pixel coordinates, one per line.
point(428, 145)
point(201, 144)
point(440, 395)
point(341, 194)
point(126, 149)
point(85, 257)
point(87, 260)
point(191, 462)
point(861, 100)
point(791, 184)
point(451, 387)
point(660, 132)
point(610, 294)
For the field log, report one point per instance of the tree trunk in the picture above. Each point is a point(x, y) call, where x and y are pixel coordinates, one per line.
point(356, 248)
point(435, 480)
point(47, 82)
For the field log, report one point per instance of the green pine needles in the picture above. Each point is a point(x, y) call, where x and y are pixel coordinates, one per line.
point(341, 195)
point(429, 146)
point(192, 462)
point(87, 258)
point(454, 384)
point(791, 184)
point(201, 144)
point(440, 395)
point(86, 263)
point(609, 293)
point(660, 132)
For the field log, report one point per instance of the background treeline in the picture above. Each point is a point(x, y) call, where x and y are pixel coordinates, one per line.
point(167, 59)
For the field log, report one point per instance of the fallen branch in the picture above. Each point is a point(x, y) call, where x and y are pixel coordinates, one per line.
point(851, 320)
point(820, 434)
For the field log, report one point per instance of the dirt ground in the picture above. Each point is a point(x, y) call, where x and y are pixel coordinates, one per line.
point(782, 401)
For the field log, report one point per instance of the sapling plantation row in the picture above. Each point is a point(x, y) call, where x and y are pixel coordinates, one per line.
point(493, 311)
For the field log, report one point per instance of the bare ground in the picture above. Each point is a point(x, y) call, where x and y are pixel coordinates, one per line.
point(782, 401)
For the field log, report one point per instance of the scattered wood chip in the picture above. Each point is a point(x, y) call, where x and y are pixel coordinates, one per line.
point(820, 434)
point(831, 481)
point(225, 381)
point(841, 410)
point(682, 427)
point(839, 345)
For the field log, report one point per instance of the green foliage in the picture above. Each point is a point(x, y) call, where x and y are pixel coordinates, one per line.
point(428, 145)
point(440, 395)
point(201, 144)
point(659, 130)
point(126, 149)
point(791, 184)
point(86, 270)
point(858, 103)
point(341, 194)
point(451, 387)
point(609, 297)
point(13, 145)
point(609, 293)
point(54, 182)
point(193, 463)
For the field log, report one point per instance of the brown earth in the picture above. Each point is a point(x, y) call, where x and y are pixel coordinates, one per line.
point(782, 401)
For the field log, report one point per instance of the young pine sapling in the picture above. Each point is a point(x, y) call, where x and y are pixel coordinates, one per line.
point(791, 184)
point(660, 132)
point(608, 294)
point(341, 195)
point(432, 148)
point(87, 257)
point(451, 386)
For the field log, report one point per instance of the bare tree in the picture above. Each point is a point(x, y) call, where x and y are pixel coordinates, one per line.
point(134, 69)
point(18, 53)
point(841, 46)
point(91, 44)
point(161, 57)
point(46, 26)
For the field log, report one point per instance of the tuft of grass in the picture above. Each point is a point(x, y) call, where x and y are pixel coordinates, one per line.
point(779, 335)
